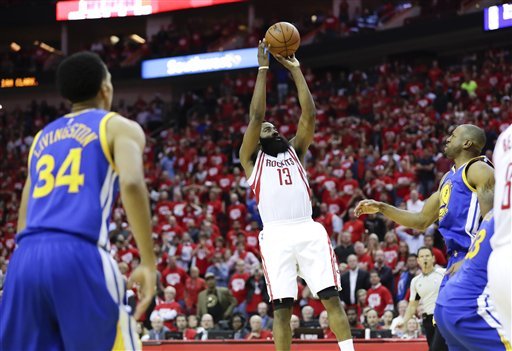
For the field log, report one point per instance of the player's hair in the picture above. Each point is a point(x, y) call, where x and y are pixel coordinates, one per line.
point(80, 75)
point(477, 136)
point(425, 248)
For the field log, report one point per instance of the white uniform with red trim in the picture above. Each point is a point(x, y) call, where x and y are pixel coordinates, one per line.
point(291, 242)
point(500, 261)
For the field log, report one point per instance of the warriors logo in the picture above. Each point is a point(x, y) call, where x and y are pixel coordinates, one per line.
point(446, 192)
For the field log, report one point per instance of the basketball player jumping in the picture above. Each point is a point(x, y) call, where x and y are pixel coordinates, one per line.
point(63, 291)
point(291, 242)
point(464, 196)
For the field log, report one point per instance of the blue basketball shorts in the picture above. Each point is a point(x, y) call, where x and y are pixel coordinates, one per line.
point(64, 293)
point(471, 327)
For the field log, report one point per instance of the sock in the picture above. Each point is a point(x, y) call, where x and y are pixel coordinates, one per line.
point(346, 345)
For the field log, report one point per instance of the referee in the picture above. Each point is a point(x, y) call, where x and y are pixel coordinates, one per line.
point(425, 287)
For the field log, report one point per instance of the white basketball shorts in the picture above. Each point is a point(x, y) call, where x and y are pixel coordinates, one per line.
point(297, 248)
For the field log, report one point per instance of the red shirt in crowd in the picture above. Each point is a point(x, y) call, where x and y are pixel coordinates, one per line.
point(175, 277)
point(193, 286)
point(356, 228)
point(263, 335)
point(168, 311)
point(237, 286)
point(378, 298)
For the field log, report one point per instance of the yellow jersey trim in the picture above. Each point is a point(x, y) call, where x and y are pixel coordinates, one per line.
point(119, 340)
point(464, 175)
point(32, 147)
point(104, 140)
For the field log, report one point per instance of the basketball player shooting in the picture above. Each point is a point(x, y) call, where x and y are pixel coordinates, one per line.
point(291, 242)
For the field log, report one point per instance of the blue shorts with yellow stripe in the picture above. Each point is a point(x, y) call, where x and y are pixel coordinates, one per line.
point(64, 293)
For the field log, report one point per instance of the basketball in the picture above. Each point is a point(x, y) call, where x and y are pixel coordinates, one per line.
point(283, 39)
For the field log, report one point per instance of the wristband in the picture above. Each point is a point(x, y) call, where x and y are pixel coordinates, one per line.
point(262, 67)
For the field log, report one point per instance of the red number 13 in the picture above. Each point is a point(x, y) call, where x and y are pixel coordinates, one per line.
point(284, 173)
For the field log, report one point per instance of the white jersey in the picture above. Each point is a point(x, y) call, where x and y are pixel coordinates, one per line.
point(281, 187)
point(502, 158)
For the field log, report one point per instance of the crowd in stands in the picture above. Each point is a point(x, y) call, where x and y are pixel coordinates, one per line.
point(380, 134)
point(205, 34)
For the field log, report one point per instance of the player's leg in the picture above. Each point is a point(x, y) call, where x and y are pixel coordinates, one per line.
point(445, 319)
point(318, 267)
point(280, 268)
point(88, 297)
point(338, 321)
point(500, 278)
point(27, 319)
point(281, 329)
point(481, 329)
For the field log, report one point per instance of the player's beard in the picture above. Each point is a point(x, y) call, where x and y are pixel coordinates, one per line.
point(274, 145)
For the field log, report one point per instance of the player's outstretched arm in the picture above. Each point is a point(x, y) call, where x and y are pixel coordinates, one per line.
point(481, 177)
point(306, 127)
point(417, 220)
point(127, 141)
point(256, 111)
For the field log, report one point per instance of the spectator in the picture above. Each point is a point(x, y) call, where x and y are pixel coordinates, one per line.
point(207, 325)
point(387, 319)
point(364, 259)
point(193, 286)
point(256, 291)
point(345, 247)
point(374, 223)
point(398, 320)
point(414, 203)
point(238, 287)
point(267, 322)
point(372, 320)
point(414, 240)
point(308, 320)
point(176, 277)
point(353, 280)
point(323, 320)
point(379, 297)
point(257, 333)
point(219, 269)
point(354, 226)
point(181, 326)
point(404, 282)
point(238, 326)
point(192, 321)
point(217, 302)
point(251, 262)
point(385, 273)
point(353, 320)
point(294, 323)
point(158, 328)
point(425, 172)
point(169, 308)
point(440, 258)
point(412, 330)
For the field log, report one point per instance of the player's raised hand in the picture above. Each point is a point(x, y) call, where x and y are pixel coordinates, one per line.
point(367, 207)
point(145, 277)
point(263, 59)
point(289, 62)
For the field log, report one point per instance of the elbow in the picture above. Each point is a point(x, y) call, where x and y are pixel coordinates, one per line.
point(132, 183)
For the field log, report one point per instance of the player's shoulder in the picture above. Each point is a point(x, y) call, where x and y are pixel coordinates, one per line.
point(120, 125)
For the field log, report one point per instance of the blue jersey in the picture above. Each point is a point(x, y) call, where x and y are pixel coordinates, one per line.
point(472, 276)
point(459, 211)
point(73, 178)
